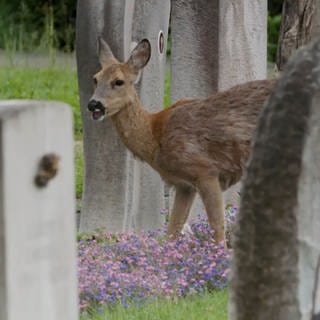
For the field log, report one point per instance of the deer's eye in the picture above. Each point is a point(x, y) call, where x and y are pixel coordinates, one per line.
point(95, 81)
point(118, 83)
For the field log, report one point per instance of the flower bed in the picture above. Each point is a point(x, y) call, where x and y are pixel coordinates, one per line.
point(130, 268)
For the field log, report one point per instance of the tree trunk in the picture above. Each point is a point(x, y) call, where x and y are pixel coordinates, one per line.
point(298, 19)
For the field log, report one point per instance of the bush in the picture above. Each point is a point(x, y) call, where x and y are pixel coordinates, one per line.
point(273, 36)
point(30, 24)
point(275, 7)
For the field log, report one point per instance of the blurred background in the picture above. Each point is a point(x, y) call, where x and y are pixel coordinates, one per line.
point(37, 58)
point(39, 25)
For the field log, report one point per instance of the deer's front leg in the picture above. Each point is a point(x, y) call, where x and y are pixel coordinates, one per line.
point(182, 203)
point(211, 195)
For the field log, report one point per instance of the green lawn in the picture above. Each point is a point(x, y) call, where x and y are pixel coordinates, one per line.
point(210, 306)
point(42, 84)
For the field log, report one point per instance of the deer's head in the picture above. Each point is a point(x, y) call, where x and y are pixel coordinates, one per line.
point(114, 83)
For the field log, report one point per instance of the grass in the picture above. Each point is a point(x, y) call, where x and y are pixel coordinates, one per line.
point(42, 84)
point(52, 84)
point(209, 306)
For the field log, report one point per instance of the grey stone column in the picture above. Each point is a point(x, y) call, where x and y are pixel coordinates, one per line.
point(150, 20)
point(38, 270)
point(119, 193)
point(308, 210)
point(276, 263)
point(215, 45)
point(105, 158)
point(316, 20)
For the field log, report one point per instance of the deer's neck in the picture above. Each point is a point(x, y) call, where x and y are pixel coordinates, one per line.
point(133, 124)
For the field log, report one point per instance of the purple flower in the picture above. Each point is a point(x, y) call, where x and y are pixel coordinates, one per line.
point(130, 268)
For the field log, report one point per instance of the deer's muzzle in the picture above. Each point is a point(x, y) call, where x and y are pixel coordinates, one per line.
point(97, 110)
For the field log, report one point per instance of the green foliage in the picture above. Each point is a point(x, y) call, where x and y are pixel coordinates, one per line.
point(274, 20)
point(79, 168)
point(30, 24)
point(209, 306)
point(275, 7)
point(273, 36)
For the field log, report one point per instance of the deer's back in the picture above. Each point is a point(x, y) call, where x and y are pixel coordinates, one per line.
point(213, 135)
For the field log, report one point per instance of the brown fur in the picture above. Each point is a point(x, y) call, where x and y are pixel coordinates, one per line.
point(197, 145)
point(158, 120)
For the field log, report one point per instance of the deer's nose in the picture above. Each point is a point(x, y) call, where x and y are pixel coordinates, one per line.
point(94, 104)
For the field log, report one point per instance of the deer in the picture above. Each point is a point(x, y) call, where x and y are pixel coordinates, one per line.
point(197, 145)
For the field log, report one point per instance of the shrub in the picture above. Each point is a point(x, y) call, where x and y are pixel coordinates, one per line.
point(273, 36)
point(30, 24)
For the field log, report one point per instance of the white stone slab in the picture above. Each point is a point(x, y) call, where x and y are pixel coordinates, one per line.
point(37, 225)
point(309, 219)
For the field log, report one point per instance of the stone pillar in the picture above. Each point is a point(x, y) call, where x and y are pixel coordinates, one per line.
point(38, 272)
point(308, 210)
point(105, 158)
point(276, 263)
point(118, 194)
point(215, 45)
point(316, 20)
point(298, 25)
point(151, 21)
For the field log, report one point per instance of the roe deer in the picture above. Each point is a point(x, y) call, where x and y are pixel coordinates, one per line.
point(196, 145)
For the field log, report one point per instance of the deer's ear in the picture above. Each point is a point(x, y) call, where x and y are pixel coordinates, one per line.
point(140, 56)
point(104, 52)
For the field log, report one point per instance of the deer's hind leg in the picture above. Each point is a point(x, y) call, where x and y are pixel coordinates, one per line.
point(211, 195)
point(182, 204)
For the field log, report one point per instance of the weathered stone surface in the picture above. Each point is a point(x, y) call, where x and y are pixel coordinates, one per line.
point(215, 45)
point(37, 225)
point(242, 42)
point(276, 247)
point(119, 193)
point(298, 26)
point(316, 21)
point(105, 158)
point(150, 18)
point(309, 216)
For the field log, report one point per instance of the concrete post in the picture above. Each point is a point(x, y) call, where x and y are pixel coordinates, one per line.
point(298, 26)
point(316, 21)
point(151, 21)
point(119, 193)
point(105, 158)
point(276, 263)
point(38, 273)
point(308, 210)
point(215, 45)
